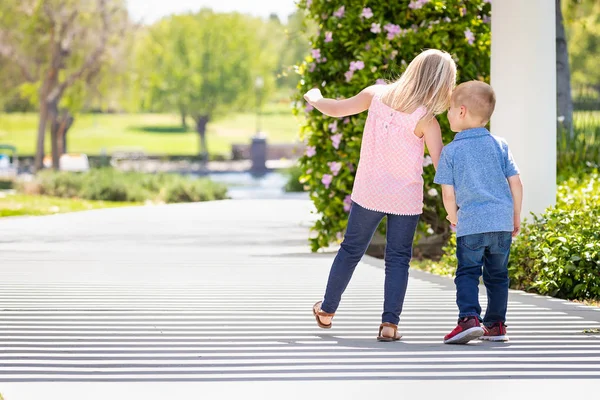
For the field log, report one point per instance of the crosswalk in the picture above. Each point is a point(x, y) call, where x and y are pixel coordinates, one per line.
point(113, 306)
point(216, 332)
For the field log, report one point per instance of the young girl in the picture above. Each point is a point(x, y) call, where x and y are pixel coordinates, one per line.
point(388, 179)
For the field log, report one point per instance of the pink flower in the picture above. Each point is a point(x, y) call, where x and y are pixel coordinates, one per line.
point(487, 1)
point(310, 151)
point(394, 54)
point(486, 19)
point(350, 167)
point(376, 28)
point(326, 180)
point(349, 75)
point(356, 65)
point(335, 167)
point(309, 171)
point(366, 13)
point(308, 3)
point(347, 203)
point(328, 37)
point(333, 127)
point(336, 140)
point(416, 4)
point(316, 54)
point(346, 121)
point(380, 82)
point(447, 19)
point(340, 12)
point(339, 236)
point(311, 67)
point(309, 107)
point(392, 30)
point(469, 36)
point(427, 161)
point(463, 11)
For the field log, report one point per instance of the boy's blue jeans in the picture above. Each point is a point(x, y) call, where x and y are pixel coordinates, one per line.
point(490, 251)
point(362, 224)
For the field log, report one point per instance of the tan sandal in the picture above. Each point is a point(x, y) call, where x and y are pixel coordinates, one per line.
point(317, 312)
point(386, 338)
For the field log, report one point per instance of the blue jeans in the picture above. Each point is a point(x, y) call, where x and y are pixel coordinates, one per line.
point(362, 224)
point(490, 251)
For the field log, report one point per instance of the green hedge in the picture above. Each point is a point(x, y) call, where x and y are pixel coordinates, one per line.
point(360, 43)
point(558, 252)
point(112, 185)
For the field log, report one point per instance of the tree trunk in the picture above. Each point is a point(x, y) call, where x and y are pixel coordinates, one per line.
point(54, 128)
point(39, 152)
point(64, 123)
point(183, 119)
point(201, 122)
point(563, 74)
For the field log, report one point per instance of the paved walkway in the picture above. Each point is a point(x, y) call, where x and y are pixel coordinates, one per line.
point(216, 298)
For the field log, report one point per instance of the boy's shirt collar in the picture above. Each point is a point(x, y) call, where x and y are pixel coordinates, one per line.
point(472, 133)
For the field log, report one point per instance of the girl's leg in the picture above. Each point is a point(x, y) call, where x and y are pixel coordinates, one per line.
point(398, 252)
point(362, 224)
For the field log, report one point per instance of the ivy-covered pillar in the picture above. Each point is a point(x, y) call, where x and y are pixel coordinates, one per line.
point(523, 74)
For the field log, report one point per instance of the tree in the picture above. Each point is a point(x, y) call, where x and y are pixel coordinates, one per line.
point(582, 26)
point(355, 47)
point(204, 65)
point(563, 74)
point(58, 46)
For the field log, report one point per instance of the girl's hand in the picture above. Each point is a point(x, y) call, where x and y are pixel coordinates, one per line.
point(313, 96)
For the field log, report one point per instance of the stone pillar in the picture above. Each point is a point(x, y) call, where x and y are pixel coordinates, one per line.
point(523, 74)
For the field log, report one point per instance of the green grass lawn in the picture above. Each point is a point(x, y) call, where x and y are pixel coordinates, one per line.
point(152, 133)
point(20, 204)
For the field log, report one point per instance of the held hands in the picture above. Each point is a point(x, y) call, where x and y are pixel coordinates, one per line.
point(313, 96)
point(453, 219)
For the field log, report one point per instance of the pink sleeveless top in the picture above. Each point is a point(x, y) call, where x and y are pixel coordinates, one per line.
point(389, 174)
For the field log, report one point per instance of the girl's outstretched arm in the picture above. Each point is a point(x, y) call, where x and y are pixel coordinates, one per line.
point(344, 107)
point(430, 128)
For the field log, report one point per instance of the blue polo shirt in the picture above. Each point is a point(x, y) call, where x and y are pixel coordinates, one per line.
point(478, 164)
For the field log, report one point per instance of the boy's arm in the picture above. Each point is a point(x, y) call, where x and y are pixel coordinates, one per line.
point(449, 198)
point(430, 127)
point(516, 188)
point(344, 107)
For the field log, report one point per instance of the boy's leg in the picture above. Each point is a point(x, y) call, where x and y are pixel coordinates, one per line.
point(495, 277)
point(362, 224)
point(398, 252)
point(469, 252)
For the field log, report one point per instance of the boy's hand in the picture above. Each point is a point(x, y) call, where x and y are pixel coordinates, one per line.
point(517, 223)
point(453, 219)
point(313, 95)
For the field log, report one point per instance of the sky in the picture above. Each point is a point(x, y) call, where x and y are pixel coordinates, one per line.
point(148, 11)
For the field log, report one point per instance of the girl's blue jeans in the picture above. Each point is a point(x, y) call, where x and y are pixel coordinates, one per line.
point(362, 224)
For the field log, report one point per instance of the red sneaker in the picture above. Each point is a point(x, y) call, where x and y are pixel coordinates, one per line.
point(468, 329)
point(495, 333)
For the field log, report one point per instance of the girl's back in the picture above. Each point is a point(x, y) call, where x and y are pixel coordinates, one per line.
point(389, 176)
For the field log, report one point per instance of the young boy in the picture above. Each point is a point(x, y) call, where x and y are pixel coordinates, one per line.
point(482, 194)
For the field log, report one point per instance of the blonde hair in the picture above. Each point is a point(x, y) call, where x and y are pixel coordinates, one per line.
point(478, 97)
point(428, 81)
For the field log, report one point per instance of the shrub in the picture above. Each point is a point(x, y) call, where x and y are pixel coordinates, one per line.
point(354, 48)
point(293, 183)
point(111, 185)
point(558, 252)
point(185, 190)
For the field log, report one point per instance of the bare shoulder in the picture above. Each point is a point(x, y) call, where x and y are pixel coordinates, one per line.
point(427, 124)
point(374, 90)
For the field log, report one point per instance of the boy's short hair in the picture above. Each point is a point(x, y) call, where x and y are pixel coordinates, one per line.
point(478, 97)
